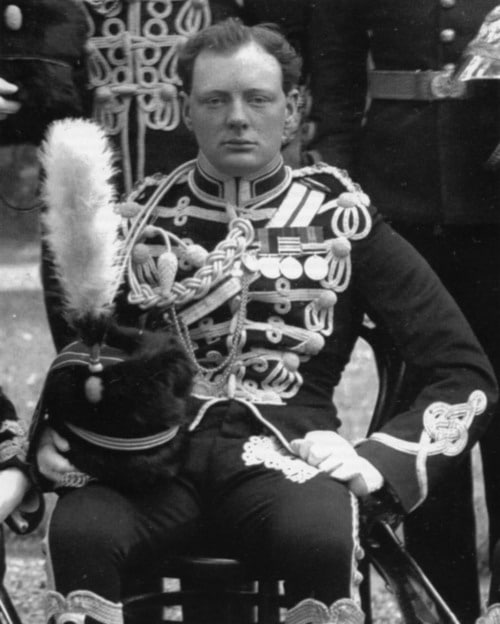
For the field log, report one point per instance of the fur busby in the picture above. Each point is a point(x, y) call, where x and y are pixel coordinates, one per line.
point(118, 394)
point(42, 45)
point(126, 423)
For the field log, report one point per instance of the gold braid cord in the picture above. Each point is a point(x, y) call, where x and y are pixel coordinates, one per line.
point(217, 266)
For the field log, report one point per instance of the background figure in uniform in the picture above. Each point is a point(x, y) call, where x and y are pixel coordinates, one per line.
point(422, 152)
point(265, 274)
point(480, 64)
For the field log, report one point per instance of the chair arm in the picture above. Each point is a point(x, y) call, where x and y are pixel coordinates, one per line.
point(417, 598)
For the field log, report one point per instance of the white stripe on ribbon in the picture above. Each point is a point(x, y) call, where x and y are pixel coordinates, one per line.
point(289, 206)
point(309, 209)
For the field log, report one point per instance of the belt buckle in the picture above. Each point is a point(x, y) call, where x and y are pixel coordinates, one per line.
point(443, 86)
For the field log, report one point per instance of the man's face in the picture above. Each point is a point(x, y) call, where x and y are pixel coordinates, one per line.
point(237, 108)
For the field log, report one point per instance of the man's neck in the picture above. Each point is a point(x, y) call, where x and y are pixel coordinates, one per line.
point(218, 188)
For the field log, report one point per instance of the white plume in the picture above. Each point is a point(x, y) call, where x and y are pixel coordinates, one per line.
point(81, 225)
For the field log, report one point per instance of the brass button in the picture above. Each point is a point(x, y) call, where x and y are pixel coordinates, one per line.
point(448, 4)
point(447, 35)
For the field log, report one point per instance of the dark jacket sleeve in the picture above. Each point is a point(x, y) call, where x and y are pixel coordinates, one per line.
point(12, 436)
point(455, 389)
point(338, 50)
point(13, 454)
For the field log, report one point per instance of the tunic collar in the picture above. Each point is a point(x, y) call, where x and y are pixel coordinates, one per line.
point(218, 189)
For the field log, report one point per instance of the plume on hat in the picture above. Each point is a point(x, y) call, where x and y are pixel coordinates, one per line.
point(117, 394)
point(81, 225)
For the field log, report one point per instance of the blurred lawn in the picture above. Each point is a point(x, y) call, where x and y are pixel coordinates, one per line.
point(26, 348)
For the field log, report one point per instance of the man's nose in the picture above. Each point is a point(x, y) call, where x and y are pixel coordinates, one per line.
point(237, 114)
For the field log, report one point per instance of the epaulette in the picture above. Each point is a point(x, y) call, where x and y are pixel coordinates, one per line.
point(341, 175)
point(322, 168)
point(305, 173)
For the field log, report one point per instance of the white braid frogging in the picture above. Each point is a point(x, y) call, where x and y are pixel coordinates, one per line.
point(217, 266)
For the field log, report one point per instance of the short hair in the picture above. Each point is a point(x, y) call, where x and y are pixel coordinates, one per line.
point(230, 35)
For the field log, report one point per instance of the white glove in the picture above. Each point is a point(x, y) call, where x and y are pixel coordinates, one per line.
point(331, 453)
point(7, 106)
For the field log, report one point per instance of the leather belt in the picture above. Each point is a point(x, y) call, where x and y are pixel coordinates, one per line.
point(416, 85)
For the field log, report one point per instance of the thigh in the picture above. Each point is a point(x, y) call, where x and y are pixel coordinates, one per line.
point(97, 535)
point(286, 519)
point(278, 518)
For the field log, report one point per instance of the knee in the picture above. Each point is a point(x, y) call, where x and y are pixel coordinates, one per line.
point(314, 543)
point(314, 558)
point(86, 524)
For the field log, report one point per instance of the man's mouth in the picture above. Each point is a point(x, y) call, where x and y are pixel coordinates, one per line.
point(239, 143)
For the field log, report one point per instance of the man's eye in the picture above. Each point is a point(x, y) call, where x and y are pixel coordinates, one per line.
point(259, 100)
point(214, 101)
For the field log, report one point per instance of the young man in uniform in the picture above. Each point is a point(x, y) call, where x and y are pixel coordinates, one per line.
point(274, 272)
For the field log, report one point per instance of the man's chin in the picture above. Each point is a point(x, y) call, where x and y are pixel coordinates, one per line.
point(239, 165)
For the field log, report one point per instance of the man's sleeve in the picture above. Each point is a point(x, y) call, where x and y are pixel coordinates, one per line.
point(454, 390)
point(338, 50)
point(13, 454)
point(13, 436)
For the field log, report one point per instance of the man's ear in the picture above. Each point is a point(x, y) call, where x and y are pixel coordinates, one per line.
point(292, 119)
point(292, 103)
point(186, 110)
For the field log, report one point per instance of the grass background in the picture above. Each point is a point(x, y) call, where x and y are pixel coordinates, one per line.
point(27, 350)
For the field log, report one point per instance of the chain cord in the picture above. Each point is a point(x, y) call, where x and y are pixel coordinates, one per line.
point(226, 364)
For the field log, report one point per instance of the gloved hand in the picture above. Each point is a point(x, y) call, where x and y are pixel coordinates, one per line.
point(51, 461)
point(331, 453)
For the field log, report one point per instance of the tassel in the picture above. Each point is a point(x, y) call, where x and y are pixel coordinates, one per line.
point(167, 268)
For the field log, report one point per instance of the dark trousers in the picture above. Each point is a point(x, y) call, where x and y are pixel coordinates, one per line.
point(302, 532)
point(441, 534)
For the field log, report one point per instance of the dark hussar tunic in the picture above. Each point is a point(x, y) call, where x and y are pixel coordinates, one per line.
point(271, 314)
point(267, 281)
